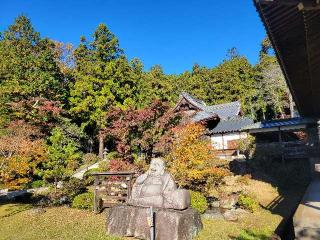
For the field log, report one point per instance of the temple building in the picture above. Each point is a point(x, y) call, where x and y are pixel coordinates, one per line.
point(223, 122)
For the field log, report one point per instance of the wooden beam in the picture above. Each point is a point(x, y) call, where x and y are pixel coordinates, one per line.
point(283, 2)
point(307, 6)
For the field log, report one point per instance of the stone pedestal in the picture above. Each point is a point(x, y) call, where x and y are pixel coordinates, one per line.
point(132, 221)
point(306, 220)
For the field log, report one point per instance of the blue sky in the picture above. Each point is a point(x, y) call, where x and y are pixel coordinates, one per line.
point(174, 34)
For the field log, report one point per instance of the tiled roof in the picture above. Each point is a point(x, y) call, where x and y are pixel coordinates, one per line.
point(194, 101)
point(203, 115)
point(279, 123)
point(231, 125)
point(226, 110)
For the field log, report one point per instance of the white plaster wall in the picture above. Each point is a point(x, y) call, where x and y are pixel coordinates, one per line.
point(220, 141)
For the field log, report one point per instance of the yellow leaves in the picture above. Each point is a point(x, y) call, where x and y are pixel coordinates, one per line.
point(20, 153)
point(192, 159)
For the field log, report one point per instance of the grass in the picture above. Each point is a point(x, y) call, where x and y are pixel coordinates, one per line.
point(261, 222)
point(20, 222)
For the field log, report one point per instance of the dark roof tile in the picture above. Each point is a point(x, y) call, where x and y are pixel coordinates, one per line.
point(231, 125)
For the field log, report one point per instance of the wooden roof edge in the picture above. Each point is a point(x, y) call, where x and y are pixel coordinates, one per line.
point(258, 6)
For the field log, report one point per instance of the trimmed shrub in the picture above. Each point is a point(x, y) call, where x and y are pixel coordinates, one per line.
point(83, 201)
point(72, 188)
point(248, 202)
point(88, 172)
point(198, 201)
point(88, 179)
point(37, 184)
point(113, 155)
point(90, 158)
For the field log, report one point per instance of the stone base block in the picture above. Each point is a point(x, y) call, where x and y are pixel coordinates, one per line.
point(306, 220)
point(132, 221)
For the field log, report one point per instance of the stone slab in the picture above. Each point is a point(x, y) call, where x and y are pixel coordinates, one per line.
point(132, 221)
point(306, 220)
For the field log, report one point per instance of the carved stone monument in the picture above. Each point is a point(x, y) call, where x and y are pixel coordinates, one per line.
point(157, 188)
point(174, 219)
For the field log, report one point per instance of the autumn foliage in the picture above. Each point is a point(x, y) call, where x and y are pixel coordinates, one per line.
point(147, 131)
point(192, 159)
point(21, 151)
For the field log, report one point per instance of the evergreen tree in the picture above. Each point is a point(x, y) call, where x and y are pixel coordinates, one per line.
point(273, 95)
point(233, 80)
point(155, 84)
point(28, 71)
point(103, 79)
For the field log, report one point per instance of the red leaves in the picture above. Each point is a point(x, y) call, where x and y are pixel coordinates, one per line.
point(145, 130)
point(37, 111)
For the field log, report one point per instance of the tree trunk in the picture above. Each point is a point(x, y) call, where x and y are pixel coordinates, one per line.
point(291, 105)
point(101, 145)
point(55, 185)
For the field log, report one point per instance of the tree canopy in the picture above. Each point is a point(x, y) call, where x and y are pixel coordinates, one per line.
point(95, 92)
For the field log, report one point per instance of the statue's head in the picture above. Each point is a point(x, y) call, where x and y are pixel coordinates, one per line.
point(157, 167)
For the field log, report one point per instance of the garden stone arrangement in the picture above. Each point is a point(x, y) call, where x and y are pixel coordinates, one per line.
point(173, 217)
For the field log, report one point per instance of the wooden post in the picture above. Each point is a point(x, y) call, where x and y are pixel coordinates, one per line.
point(95, 196)
point(223, 145)
point(282, 148)
point(101, 145)
point(129, 187)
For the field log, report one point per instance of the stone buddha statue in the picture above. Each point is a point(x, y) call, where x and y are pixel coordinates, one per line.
point(157, 188)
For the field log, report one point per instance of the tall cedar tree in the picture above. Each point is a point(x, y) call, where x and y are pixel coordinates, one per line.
point(103, 79)
point(29, 74)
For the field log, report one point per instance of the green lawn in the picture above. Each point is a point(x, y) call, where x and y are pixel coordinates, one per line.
point(21, 222)
point(261, 223)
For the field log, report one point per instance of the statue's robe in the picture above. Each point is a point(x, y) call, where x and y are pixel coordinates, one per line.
point(159, 191)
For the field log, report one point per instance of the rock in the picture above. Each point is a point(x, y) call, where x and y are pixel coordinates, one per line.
point(230, 215)
point(213, 214)
point(229, 201)
point(39, 191)
point(60, 185)
point(132, 221)
point(230, 180)
point(63, 200)
point(37, 211)
point(215, 204)
point(234, 214)
point(240, 212)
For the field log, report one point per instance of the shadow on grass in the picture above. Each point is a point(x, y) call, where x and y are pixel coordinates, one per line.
point(290, 177)
point(13, 209)
point(19, 204)
point(291, 182)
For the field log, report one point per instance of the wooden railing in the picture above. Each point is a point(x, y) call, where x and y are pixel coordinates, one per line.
point(111, 188)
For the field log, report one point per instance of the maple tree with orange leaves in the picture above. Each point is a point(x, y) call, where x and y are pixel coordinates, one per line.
point(21, 150)
point(192, 159)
